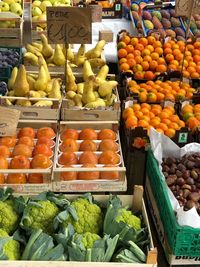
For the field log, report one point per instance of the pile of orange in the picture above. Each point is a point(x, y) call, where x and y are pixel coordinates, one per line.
point(173, 52)
point(28, 149)
point(164, 120)
point(191, 115)
point(141, 56)
point(105, 4)
point(88, 141)
point(159, 91)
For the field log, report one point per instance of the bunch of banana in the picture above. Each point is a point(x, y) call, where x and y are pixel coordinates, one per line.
point(94, 92)
point(59, 55)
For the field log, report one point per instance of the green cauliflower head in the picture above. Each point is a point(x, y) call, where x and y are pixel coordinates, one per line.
point(127, 217)
point(40, 216)
point(8, 216)
point(88, 239)
point(89, 217)
point(11, 249)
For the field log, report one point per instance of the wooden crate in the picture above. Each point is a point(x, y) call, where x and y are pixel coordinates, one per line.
point(83, 114)
point(89, 185)
point(35, 113)
point(47, 173)
point(11, 37)
point(136, 203)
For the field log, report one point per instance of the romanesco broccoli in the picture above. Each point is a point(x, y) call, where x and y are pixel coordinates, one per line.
point(89, 217)
point(127, 217)
point(11, 248)
point(88, 239)
point(40, 215)
point(8, 216)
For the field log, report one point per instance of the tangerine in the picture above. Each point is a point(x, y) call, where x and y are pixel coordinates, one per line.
point(88, 145)
point(67, 158)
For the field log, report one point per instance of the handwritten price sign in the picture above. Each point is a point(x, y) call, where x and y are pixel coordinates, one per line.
point(187, 7)
point(69, 25)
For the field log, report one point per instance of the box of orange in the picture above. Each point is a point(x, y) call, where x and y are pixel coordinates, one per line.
point(89, 158)
point(27, 158)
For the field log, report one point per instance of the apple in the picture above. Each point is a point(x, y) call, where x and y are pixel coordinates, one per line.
point(36, 11)
point(9, 2)
point(4, 6)
point(18, 1)
point(35, 18)
point(16, 8)
point(44, 5)
point(41, 18)
point(36, 3)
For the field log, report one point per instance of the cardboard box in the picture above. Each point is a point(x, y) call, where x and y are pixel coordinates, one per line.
point(172, 259)
point(106, 35)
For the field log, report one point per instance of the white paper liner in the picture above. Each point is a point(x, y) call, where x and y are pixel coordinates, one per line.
point(162, 147)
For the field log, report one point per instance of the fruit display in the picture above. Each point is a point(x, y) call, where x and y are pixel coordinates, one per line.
point(143, 57)
point(29, 149)
point(9, 58)
point(14, 6)
point(23, 84)
point(77, 229)
point(59, 55)
point(92, 149)
point(191, 115)
point(194, 25)
point(95, 91)
point(158, 91)
point(173, 53)
point(183, 177)
point(163, 22)
point(164, 120)
point(39, 11)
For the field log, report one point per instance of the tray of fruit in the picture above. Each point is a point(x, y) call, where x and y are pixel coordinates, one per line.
point(37, 96)
point(93, 97)
point(89, 158)
point(194, 24)
point(173, 53)
point(163, 117)
point(56, 56)
point(143, 57)
point(158, 91)
point(163, 21)
point(27, 158)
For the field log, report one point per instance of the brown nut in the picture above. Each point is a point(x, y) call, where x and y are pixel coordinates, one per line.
point(171, 180)
point(194, 175)
point(190, 181)
point(186, 174)
point(180, 181)
point(186, 193)
point(194, 196)
point(189, 205)
point(186, 186)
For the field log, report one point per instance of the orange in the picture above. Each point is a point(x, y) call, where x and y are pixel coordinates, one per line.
point(151, 115)
point(122, 53)
point(186, 74)
point(190, 47)
point(195, 75)
point(138, 60)
point(161, 61)
point(155, 111)
point(174, 118)
point(166, 121)
point(155, 122)
point(124, 67)
point(167, 51)
point(146, 118)
point(161, 68)
point(129, 48)
point(159, 50)
point(134, 41)
point(114, 175)
point(47, 132)
point(181, 124)
point(66, 158)
point(45, 149)
point(143, 41)
point(16, 178)
point(109, 157)
point(167, 45)
point(142, 97)
point(20, 162)
point(45, 140)
point(145, 111)
point(143, 123)
point(126, 39)
point(107, 144)
point(139, 47)
point(164, 115)
point(136, 53)
point(131, 122)
point(150, 48)
point(169, 109)
point(136, 107)
point(138, 114)
point(151, 39)
point(106, 134)
point(170, 132)
point(121, 45)
point(160, 96)
point(162, 126)
point(157, 44)
point(147, 58)
point(155, 56)
point(130, 55)
point(149, 75)
point(151, 97)
point(127, 112)
point(193, 123)
point(153, 64)
point(197, 44)
point(88, 175)
point(88, 157)
point(68, 144)
point(131, 62)
point(139, 75)
point(41, 161)
point(145, 65)
point(169, 57)
point(146, 105)
point(69, 133)
point(146, 52)
point(174, 125)
point(196, 52)
point(27, 131)
point(3, 163)
point(22, 149)
point(8, 141)
point(88, 133)
point(196, 58)
point(160, 130)
point(4, 151)
point(191, 70)
point(68, 176)
point(35, 178)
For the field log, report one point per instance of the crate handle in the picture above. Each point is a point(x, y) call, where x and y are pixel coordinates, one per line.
point(30, 114)
point(92, 115)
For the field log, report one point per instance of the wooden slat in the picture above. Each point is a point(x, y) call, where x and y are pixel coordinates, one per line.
point(10, 42)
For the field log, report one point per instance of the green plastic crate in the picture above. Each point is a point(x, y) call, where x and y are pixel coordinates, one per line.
point(6, 72)
point(183, 240)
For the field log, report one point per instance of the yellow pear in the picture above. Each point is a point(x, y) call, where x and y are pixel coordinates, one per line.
point(31, 82)
point(88, 93)
point(41, 61)
point(33, 49)
point(70, 54)
point(58, 57)
point(38, 46)
point(47, 49)
point(87, 71)
point(55, 92)
point(78, 100)
point(23, 103)
point(80, 56)
point(31, 58)
point(41, 82)
point(21, 85)
point(95, 104)
point(106, 88)
point(12, 79)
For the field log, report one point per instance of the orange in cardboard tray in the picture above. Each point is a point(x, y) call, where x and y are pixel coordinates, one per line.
point(68, 176)
point(16, 178)
point(8, 141)
point(106, 134)
point(22, 149)
point(109, 175)
point(69, 145)
point(40, 161)
point(68, 158)
point(108, 144)
point(90, 175)
point(109, 157)
point(4, 151)
point(20, 162)
point(88, 145)
point(89, 134)
point(69, 133)
point(3, 163)
point(35, 178)
point(26, 140)
point(26, 131)
point(88, 157)
point(43, 149)
point(46, 131)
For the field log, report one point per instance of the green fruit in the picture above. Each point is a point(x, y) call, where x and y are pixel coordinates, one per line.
point(148, 24)
point(157, 14)
point(134, 7)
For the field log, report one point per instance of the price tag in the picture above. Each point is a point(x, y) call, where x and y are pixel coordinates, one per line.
point(69, 25)
point(183, 137)
point(8, 121)
point(184, 7)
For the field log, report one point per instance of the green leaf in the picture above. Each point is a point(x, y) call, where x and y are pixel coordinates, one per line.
point(111, 245)
point(65, 235)
point(5, 193)
point(60, 218)
point(75, 253)
point(20, 203)
point(55, 254)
